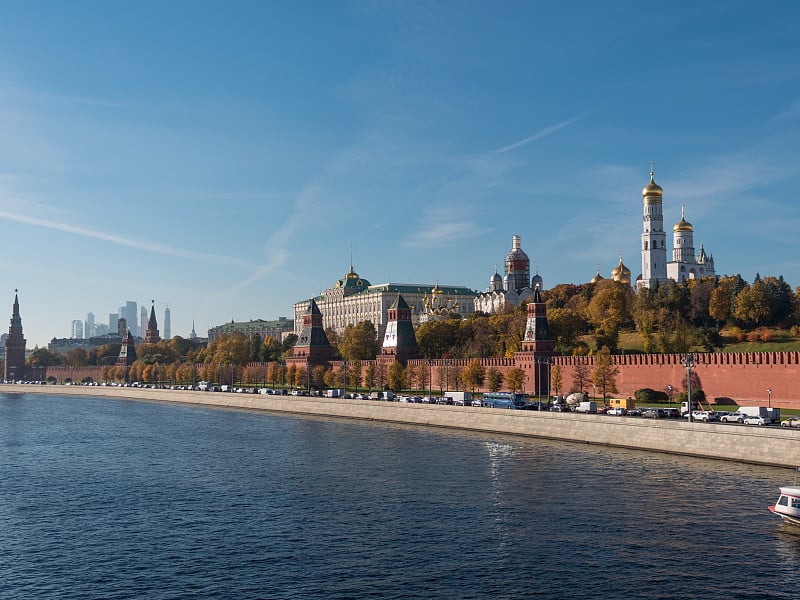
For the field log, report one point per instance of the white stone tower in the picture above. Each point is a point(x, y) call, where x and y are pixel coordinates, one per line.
point(654, 240)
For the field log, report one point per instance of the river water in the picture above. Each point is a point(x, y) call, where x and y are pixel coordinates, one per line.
point(103, 498)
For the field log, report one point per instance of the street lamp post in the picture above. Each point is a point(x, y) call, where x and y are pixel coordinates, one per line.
point(446, 376)
point(669, 395)
point(344, 376)
point(769, 397)
point(689, 363)
point(430, 379)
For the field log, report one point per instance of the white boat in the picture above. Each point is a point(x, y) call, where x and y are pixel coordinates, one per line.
point(788, 505)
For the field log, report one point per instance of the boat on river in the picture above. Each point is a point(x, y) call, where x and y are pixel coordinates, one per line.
point(788, 505)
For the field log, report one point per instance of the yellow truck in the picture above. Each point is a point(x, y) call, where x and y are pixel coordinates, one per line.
point(626, 403)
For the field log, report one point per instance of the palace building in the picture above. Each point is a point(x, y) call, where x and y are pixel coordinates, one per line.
point(353, 299)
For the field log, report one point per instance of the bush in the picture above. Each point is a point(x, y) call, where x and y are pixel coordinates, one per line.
point(697, 396)
point(650, 396)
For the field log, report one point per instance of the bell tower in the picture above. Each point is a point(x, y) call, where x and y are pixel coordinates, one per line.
point(654, 240)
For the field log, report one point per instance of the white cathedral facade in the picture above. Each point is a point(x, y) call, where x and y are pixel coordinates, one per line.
point(684, 264)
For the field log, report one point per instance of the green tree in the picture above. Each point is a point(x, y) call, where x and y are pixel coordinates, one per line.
point(271, 350)
point(42, 357)
point(755, 305)
point(438, 338)
point(397, 377)
point(76, 358)
point(515, 379)
point(255, 347)
point(359, 342)
point(494, 379)
point(605, 373)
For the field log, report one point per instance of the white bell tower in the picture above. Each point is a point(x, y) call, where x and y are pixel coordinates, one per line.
point(654, 240)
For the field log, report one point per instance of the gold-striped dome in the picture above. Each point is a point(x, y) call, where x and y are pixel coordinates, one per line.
point(621, 273)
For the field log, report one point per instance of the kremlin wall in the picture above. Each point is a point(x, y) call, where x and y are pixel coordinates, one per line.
point(741, 378)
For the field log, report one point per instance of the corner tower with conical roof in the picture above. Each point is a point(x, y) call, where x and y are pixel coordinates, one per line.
point(15, 345)
point(654, 240)
point(399, 341)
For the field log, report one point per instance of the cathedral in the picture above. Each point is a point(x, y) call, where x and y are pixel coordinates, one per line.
point(655, 266)
point(515, 287)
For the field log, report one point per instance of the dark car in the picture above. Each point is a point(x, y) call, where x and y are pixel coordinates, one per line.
point(654, 413)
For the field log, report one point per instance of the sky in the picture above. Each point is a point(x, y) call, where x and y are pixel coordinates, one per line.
point(227, 159)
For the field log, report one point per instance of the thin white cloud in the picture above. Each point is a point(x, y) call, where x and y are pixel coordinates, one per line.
point(131, 243)
point(539, 134)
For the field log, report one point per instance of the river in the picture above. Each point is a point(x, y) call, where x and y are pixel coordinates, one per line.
point(106, 498)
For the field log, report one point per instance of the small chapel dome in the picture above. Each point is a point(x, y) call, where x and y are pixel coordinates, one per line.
point(496, 281)
point(652, 189)
point(597, 278)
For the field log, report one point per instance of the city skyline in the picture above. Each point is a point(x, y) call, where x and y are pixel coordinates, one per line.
point(225, 159)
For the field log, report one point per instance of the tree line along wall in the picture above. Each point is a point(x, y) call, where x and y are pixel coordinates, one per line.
point(744, 377)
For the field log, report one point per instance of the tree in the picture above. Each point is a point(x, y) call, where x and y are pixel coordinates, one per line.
point(605, 373)
point(397, 376)
point(437, 338)
point(76, 358)
point(565, 326)
point(474, 374)
point(255, 347)
point(557, 378)
point(608, 310)
point(354, 374)
point(580, 376)
point(515, 379)
point(42, 357)
point(755, 305)
point(494, 379)
point(369, 376)
point(271, 350)
point(359, 342)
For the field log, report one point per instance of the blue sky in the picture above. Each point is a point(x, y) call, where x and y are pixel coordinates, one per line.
point(223, 157)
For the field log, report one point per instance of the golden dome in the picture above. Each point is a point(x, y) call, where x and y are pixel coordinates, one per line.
point(597, 278)
point(683, 224)
point(621, 273)
point(652, 188)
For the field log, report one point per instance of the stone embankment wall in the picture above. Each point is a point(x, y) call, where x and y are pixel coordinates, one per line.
point(758, 445)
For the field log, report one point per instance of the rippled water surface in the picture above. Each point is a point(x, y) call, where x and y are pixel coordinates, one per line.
point(119, 499)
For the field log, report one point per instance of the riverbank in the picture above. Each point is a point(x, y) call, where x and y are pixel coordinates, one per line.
point(774, 446)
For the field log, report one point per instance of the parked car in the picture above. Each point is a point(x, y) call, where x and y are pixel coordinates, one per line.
point(672, 413)
point(617, 412)
point(791, 422)
point(706, 416)
point(734, 417)
point(654, 413)
point(635, 412)
point(756, 420)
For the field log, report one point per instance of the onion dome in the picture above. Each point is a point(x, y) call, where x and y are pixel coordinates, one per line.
point(537, 281)
point(683, 224)
point(436, 291)
point(597, 278)
point(652, 190)
point(621, 273)
point(495, 282)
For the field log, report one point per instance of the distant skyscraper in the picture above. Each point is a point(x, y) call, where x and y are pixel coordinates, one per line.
point(112, 321)
point(193, 335)
point(77, 329)
point(167, 335)
point(122, 327)
point(89, 330)
point(130, 313)
point(142, 322)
